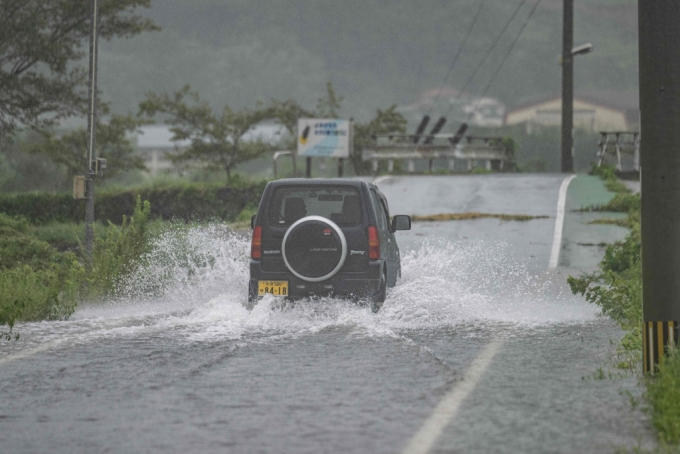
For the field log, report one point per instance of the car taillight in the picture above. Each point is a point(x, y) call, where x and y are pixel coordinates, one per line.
point(373, 243)
point(256, 243)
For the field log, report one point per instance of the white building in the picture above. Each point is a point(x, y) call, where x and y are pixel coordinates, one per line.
point(600, 111)
point(154, 142)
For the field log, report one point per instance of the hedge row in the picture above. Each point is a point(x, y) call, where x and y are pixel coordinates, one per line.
point(185, 202)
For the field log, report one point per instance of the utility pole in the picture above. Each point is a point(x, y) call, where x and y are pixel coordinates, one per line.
point(567, 86)
point(660, 174)
point(91, 140)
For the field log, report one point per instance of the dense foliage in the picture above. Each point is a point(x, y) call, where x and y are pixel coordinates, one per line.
point(217, 139)
point(41, 44)
point(180, 202)
point(69, 150)
point(36, 281)
point(116, 255)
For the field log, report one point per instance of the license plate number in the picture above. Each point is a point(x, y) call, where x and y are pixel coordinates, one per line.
point(276, 288)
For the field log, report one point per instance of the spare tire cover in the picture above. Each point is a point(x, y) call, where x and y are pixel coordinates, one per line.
point(314, 248)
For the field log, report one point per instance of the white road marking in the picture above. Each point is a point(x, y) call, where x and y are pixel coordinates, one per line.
point(447, 409)
point(29, 352)
point(559, 223)
point(381, 179)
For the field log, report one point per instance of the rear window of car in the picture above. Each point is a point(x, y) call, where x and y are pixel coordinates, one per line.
point(340, 204)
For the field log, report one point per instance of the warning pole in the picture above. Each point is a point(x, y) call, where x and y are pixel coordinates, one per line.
point(660, 169)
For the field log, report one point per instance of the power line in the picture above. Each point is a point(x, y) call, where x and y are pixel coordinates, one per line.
point(488, 54)
point(512, 47)
point(505, 58)
point(458, 53)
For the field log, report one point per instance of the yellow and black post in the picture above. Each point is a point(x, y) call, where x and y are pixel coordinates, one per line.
point(659, 36)
point(656, 337)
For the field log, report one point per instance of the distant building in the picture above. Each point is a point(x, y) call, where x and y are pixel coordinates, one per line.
point(456, 106)
point(487, 112)
point(155, 142)
point(593, 111)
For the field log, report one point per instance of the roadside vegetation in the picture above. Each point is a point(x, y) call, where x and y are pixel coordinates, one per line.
point(40, 282)
point(617, 289)
point(474, 215)
point(42, 262)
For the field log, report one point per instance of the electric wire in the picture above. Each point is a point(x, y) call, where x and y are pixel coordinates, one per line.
point(486, 56)
point(505, 58)
point(458, 54)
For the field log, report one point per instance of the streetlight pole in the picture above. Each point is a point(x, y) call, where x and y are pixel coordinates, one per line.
point(91, 140)
point(660, 176)
point(567, 87)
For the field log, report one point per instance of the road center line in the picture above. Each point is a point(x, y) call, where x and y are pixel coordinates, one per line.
point(29, 352)
point(448, 407)
point(559, 222)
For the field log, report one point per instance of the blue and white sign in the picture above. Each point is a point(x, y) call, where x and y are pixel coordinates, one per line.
point(323, 137)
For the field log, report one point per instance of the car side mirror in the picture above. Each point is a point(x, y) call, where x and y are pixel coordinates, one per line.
point(401, 222)
point(252, 221)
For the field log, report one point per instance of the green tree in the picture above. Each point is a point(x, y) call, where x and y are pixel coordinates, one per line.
point(385, 122)
point(42, 43)
point(217, 140)
point(329, 107)
point(70, 149)
point(287, 113)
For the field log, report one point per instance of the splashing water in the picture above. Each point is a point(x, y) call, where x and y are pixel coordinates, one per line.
point(193, 283)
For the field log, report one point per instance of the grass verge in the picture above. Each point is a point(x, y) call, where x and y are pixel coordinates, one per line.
point(663, 394)
point(40, 282)
point(474, 215)
point(617, 289)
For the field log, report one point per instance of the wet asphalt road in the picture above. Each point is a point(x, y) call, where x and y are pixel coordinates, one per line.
point(195, 372)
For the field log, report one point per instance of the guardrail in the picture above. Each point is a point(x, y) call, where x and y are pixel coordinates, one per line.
point(616, 143)
point(393, 147)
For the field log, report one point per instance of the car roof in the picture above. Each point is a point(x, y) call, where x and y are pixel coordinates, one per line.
point(320, 182)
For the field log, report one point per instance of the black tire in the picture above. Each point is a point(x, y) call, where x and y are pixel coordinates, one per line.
point(377, 299)
point(252, 296)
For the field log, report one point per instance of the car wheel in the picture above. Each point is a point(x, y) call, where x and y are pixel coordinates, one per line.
point(252, 296)
point(376, 301)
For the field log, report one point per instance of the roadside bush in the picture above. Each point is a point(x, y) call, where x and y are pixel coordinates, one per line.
point(36, 281)
point(663, 394)
point(116, 255)
point(186, 202)
point(617, 286)
point(617, 289)
point(29, 295)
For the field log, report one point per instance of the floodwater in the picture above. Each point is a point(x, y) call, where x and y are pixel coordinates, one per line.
point(175, 363)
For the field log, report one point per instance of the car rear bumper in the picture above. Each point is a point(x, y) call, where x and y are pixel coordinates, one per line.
point(343, 284)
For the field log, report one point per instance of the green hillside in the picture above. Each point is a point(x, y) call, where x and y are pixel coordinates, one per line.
point(376, 52)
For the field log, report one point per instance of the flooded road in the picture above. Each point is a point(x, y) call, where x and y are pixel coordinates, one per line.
point(178, 365)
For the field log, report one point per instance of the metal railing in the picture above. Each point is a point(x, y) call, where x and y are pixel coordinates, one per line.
point(277, 155)
point(616, 143)
point(393, 147)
